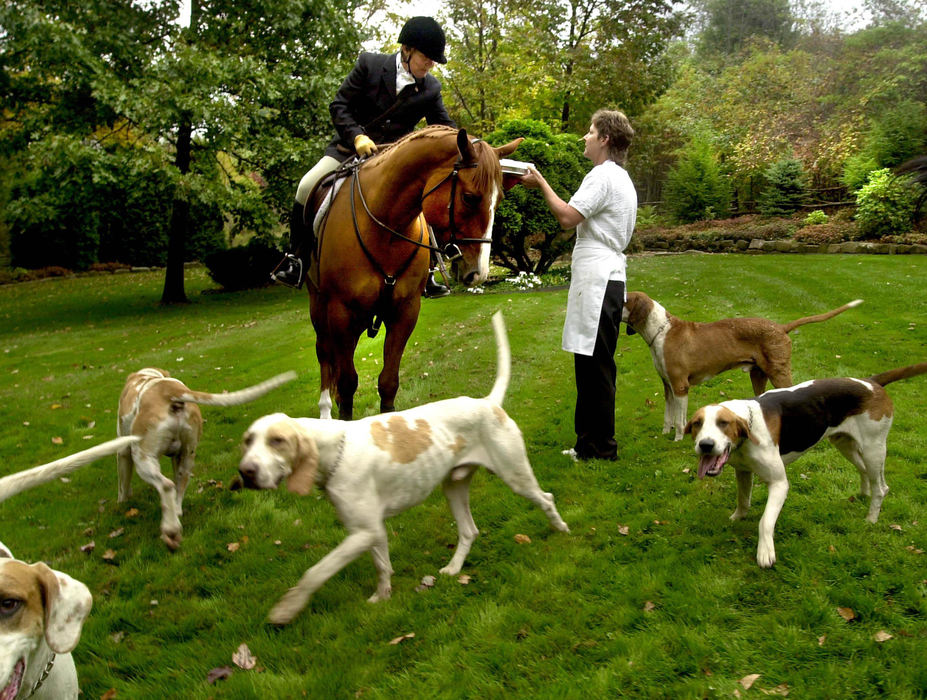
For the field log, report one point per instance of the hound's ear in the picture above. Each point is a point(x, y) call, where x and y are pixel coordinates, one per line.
point(67, 604)
point(697, 417)
point(688, 429)
point(743, 430)
point(305, 465)
point(465, 148)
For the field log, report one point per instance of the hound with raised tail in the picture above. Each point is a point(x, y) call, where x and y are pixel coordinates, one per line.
point(162, 412)
point(762, 435)
point(42, 611)
point(382, 465)
point(686, 353)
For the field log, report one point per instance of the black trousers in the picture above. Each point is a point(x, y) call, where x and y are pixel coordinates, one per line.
point(594, 420)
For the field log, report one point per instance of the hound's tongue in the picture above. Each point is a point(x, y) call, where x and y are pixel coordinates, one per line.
point(710, 465)
point(12, 688)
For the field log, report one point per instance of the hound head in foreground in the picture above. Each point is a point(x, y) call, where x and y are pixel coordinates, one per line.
point(36, 603)
point(275, 448)
point(716, 431)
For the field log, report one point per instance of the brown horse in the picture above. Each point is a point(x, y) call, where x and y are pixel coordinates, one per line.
point(373, 249)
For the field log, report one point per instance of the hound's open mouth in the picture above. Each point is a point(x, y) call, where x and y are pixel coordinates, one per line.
point(710, 465)
point(16, 680)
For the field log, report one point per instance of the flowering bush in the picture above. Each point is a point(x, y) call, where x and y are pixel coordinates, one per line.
point(525, 281)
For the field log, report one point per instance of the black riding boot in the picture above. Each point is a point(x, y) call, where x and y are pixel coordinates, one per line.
point(433, 289)
point(291, 270)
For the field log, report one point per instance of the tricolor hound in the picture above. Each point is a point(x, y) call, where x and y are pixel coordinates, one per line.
point(382, 465)
point(762, 435)
point(162, 411)
point(42, 611)
point(686, 353)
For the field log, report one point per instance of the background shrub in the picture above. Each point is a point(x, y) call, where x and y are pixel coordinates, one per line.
point(818, 216)
point(243, 267)
point(786, 188)
point(695, 187)
point(526, 236)
point(885, 205)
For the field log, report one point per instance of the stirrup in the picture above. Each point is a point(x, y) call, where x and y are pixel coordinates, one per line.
point(289, 272)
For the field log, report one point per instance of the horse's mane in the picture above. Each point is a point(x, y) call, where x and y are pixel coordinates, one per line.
point(487, 173)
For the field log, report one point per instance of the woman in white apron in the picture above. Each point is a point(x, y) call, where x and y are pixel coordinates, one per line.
point(603, 211)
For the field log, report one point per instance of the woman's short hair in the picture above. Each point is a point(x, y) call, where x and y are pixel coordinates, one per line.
point(615, 125)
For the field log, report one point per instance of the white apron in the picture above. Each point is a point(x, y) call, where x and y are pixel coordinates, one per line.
point(594, 264)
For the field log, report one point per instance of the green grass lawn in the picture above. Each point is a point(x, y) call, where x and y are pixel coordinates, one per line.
point(653, 593)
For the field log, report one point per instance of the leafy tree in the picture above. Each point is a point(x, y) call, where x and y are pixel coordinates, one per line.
point(696, 189)
point(232, 108)
point(729, 25)
point(786, 188)
point(526, 237)
point(557, 60)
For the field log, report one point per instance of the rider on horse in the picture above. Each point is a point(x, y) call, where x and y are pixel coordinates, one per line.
point(381, 100)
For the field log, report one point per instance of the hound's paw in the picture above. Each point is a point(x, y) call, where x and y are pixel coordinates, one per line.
point(381, 595)
point(737, 515)
point(679, 436)
point(766, 556)
point(172, 540)
point(286, 608)
point(450, 570)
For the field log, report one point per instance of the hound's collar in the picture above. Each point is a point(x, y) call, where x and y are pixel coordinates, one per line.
point(650, 341)
point(323, 478)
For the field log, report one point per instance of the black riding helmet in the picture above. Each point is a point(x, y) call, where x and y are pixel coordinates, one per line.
point(426, 35)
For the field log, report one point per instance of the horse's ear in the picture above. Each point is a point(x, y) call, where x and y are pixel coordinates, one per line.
point(502, 151)
point(465, 148)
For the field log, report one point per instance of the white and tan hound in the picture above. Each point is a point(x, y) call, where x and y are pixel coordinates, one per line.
point(686, 353)
point(382, 465)
point(42, 611)
point(762, 435)
point(162, 411)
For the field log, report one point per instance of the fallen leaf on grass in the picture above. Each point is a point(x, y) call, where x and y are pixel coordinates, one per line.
point(896, 526)
point(522, 539)
point(232, 546)
point(882, 636)
point(57, 441)
point(243, 658)
point(117, 532)
point(463, 579)
point(846, 613)
point(399, 640)
point(748, 681)
point(782, 689)
point(109, 694)
point(427, 582)
point(109, 555)
point(218, 674)
point(912, 548)
point(822, 639)
point(55, 406)
point(132, 512)
point(623, 529)
point(87, 548)
point(649, 606)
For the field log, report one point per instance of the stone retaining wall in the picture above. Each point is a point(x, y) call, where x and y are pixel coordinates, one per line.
point(785, 246)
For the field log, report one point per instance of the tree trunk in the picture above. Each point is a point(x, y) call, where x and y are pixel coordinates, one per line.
point(180, 221)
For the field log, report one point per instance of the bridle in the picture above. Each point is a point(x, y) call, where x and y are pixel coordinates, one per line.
point(450, 250)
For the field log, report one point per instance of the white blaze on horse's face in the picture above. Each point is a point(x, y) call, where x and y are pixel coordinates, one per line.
point(484, 253)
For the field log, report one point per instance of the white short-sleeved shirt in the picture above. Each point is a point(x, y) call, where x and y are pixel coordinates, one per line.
point(608, 201)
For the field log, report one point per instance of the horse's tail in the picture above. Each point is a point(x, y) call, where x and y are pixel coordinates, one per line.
point(503, 360)
point(789, 327)
point(12, 484)
point(236, 397)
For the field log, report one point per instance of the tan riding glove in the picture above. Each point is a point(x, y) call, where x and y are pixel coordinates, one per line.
point(364, 145)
